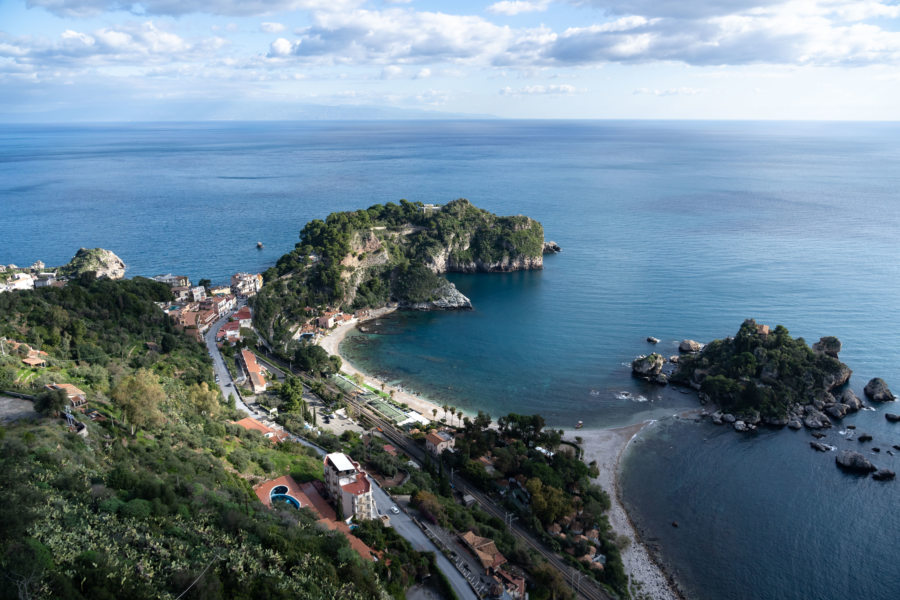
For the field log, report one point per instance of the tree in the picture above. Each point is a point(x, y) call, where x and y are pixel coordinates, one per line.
point(459, 415)
point(204, 399)
point(51, 402)
point(139, 397)
point(434, 412)
point(205, 283)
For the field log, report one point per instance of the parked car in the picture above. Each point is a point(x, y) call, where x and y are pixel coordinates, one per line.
point(395, 510)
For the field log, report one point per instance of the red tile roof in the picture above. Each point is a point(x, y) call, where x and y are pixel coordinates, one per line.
point(360, 486)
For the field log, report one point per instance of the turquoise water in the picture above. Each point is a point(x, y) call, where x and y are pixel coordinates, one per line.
point(672, 230)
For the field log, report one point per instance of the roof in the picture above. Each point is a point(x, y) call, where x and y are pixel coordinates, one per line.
point(70, 389)
point(360, 486)
point(438, 437)
point(33, 361)
point(254, 425)
point(242, 314)
point(340, 461)
point(485, 550)
point(231, 326)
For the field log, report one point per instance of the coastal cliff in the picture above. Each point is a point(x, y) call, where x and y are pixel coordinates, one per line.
point(104, 263)
point(393, 253)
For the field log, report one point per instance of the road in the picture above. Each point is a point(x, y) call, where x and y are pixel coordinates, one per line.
point(402, 522)
point(406, 527)
point(226, 384)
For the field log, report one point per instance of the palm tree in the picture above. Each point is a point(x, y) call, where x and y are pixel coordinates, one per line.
point(434, 412)
point(459, 416)
point(444, 406)
point(452, 412)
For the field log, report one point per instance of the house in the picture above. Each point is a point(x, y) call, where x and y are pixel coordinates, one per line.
point(21, 281)
point(173, 280)
point(390, 449)
point(34, 361)
point(270, 434)
point(349, 486)
point(182, 293)
point(45, 279)
point(484, 549)
point(77, 398)
point(244, 317)
point(762, 330)
point(246, 284)
point(198, 293)
point(438, 441)
point(230, 332)
point(220, 290)
point(326, 321)
point(205, 318)
point(253, 371)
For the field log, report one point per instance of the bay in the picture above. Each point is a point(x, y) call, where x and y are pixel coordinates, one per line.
point(676, 230)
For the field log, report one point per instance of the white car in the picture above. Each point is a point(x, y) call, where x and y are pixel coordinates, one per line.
point(395, 510)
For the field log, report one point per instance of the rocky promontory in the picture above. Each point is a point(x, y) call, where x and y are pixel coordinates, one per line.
point(649, 368)
point(104, 263)
point(393, 254)
point(877, 391)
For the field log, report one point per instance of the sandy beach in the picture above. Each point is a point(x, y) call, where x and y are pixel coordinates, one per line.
point(331, 343)
point(607, 446)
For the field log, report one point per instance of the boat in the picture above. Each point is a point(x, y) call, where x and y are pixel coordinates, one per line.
point(579, 425)
point(259, 245)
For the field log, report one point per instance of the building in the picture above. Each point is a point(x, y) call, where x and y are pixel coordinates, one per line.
point(220, 290)
point(77, 398)
point(326, 321)
point(253, 371)
point(173, 280)
point(349, 487)
point(438, 441)
point(244, 317)
point(198, 293)
point(21, 281)
point(182, 293)
point(230, 332)
point(45, 279)
point(246, 284)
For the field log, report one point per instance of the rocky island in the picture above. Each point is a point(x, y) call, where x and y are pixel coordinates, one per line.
point(393, 254)
point(762, 376)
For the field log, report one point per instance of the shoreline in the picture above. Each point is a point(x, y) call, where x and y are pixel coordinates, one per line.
point(331, 344)
point(606, 446)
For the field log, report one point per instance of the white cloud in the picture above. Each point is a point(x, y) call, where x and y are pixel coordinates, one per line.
point(271, 27)
point(391, 72)
point(238, 8)
point(424, 73)
point(541, 90)
point(280, 47)
point(681, 91)
point(515, 7)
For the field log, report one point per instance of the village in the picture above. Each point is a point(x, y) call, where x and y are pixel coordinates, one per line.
point(364, 476)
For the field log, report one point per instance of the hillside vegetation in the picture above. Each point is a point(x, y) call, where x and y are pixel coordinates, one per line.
point(390, 252)
point(764, 373)
point(157, 501)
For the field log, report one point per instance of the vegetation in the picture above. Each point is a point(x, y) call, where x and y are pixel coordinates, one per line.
point(157, 501)
point(387, 252)
point(760, 372)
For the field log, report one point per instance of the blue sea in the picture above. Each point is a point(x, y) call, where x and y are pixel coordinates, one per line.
point(669, 229)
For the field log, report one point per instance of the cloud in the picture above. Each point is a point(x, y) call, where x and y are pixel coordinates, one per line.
point(424, 73)
point(391, 72)
point(541, 90)
point(681, 91)
point(238, 8)
point(271, 27)
point(400, 36)
point(515, 7)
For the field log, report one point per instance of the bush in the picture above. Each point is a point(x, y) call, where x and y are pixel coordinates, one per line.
point(137, 508)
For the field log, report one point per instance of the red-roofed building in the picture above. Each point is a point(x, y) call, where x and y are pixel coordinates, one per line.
point(244, 317)
point(77, 398)
point(390, 450)
point(253, 371)
point(253, 425)
point(230, 332)
point(438, 441)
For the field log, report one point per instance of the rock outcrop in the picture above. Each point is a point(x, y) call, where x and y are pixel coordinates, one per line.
point(821, 447)
point(689, 346)
point(891, 417)
point(652, 340)
point(829, 345)
point(97, 260)
point(883, 475)
point(854, 462)
point(445, 297)
point(877, 391)
point(649, 368)
point(551, 248)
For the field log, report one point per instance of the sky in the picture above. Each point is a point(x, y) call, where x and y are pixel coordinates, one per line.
point(161, 60)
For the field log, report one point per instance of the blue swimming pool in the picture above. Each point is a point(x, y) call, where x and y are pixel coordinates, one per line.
point(280, 494)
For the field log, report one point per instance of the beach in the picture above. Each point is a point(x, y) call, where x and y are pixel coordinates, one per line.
point(607, 446)
point(331, 343)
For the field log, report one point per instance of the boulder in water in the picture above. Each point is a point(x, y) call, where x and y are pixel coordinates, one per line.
point(883, 475)
point(893, 418)
point(820, 446)
point(689, 346)
point(854, 462)
point(877, 391)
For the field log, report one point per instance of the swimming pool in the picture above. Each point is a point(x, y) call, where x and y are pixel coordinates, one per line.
point(279, 494)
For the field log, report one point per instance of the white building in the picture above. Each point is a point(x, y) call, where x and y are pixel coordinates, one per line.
point(21, 281)
point(349, 486)
point(246, 284)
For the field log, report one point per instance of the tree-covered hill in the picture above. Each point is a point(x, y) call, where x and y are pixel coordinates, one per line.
point(157, 501)
point(390, 252)
point(764, 373)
